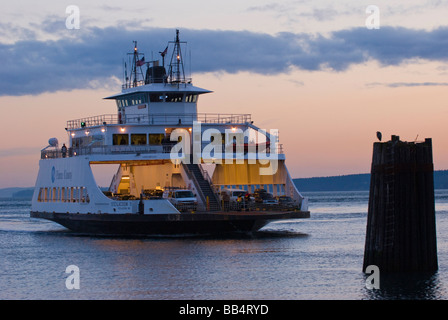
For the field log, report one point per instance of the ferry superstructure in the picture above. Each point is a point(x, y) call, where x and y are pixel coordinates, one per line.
point(159, 143)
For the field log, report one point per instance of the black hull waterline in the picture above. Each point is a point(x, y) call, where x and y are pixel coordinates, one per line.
point(168, 224)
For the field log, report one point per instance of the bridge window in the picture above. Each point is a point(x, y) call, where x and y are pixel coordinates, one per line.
point(156, 97)
point(132, 100)
point(174, 97)
point(191, 98)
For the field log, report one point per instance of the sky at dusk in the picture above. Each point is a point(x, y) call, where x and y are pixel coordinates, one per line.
point(311, 69)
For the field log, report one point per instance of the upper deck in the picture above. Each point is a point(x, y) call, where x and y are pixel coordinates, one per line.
point(158, 119)
point(155, 104)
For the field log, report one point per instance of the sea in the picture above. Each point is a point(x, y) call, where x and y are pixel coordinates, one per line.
point(319, 258)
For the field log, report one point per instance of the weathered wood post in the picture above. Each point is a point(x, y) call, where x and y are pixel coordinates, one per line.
point(401, 226)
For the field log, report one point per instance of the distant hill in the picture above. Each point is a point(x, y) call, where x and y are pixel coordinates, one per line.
point(16, 193)
point(24, 194)
point(352, 182)
point(355, 182)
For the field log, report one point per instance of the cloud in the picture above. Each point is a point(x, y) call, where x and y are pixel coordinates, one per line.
point(409, 8)
point(407, 84)
point(87, 57)
point(297, 83)
point(301, 11)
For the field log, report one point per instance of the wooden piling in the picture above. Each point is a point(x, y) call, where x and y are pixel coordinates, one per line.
point(401, 226)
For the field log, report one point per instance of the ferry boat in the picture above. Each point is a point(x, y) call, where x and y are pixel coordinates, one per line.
point(173, 167)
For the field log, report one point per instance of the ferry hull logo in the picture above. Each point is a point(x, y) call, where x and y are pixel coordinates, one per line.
point(58, 175)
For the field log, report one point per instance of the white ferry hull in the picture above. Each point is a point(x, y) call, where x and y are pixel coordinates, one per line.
point(55, 200)
point(167, 224)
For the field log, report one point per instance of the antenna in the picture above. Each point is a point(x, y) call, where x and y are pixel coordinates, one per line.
point(189, 65)
point(135, 63)
point(136, 78)
point(176, 71)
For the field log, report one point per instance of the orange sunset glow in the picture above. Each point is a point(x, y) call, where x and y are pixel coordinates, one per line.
point(327, 104)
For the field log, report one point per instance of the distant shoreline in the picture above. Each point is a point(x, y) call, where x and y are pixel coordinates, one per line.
point(352, 182)
point(355, 182)
point(16, 193)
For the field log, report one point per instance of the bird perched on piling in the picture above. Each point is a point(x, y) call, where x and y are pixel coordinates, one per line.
point(379, 135)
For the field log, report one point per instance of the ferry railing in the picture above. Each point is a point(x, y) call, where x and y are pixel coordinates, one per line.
point(241, 205)
point(192, 177)
point(232, 206)
point(207, 178)
point(50, 154)
point(162, 118)
point(132, 149)
point(114, 149)
point(164, 79)
point(119, 149)
point(133, 84)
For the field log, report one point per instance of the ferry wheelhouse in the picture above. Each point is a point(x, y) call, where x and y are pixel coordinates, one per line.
point(158, 145)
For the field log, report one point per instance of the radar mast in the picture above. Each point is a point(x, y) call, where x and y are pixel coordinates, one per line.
point(176, 68)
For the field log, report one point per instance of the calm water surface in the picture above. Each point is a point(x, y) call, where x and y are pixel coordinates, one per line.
point(316, 258)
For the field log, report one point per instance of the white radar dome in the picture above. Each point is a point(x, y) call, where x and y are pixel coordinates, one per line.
point(53, 142)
